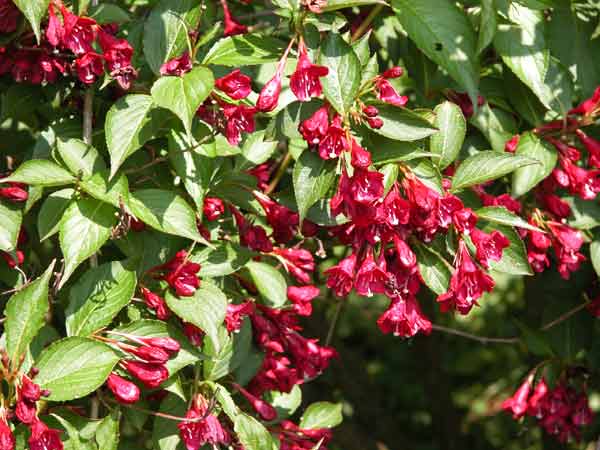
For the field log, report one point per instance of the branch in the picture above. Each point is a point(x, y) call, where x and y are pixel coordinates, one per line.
point(474, 337)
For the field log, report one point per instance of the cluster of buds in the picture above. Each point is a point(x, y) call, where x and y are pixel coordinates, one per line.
point(146, 362)
point(561, 411)
point(68, 46)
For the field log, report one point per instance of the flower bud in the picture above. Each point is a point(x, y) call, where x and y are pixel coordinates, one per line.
point(152, 375)
point(124, 390)
point(151, 354)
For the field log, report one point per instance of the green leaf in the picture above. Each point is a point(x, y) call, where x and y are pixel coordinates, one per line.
point(25, 315)
point(434, 270)
point(501, 215)
point(595, 256)
point(252, 434)
point(85, 227)
point(183, 95)
point(334, 5)
point(34, 11)
point(73, 439)
point(244, 50)
point(256, 150)
point(487, 25)
point(495, 124)
point(113, 191)
point(486, 166)
point(79, 157)
point(205, 309)
point(10, 226)
point(443, 32)
point(40, 172)
point(341, 84)
point(362, 48)
point(526, 178)
point(312, 178)
point(107, 434)
point(447, 142)
point(187, 354)
point(535, 341)
point(401, 124)
point(586, 214)
point(514, 257)
point(129, 125)
point(270, 283)
point(427, 173)
point(234, 348)
point(166, 30)
point(222, 260)
point(165, 211)
point(109, 13)
point(98, 297)
point(73, 367)
point(321, 415)
point(165, 434)
point(286, 404)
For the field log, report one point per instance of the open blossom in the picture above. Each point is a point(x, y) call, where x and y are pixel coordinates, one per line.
point(177, 66)
point(305, 82)
point(235, 84)
point(340, 277)
point(117, 54)
point(298, 262)
point(589, 105)
point(292, 437)
point(467, 284)
point(314, 129)
point(567, 242)
point(7, 439)
point(333, 142)
point(239, 118)
point(181, 274)
point(231, 26)
point(74, 32)
point(581, 182)
point(206, 431)
point(235, 315)
point(44, 438)
point(124, 390)
point(592, 146)
point(89, 67)
point(518, 404)
point(489, 246)
point(213, 208)
point(283, 220)
point(404, 318)
point(301, 297)
point(372, 276)
point(252, 236)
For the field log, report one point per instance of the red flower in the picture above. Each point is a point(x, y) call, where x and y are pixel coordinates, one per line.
point(592, 146)
point(150, 374)
point(511, 145)
point(168, 344)
point(386, 93)
point(150, 354)
point(333, 143)
point(404, 318)
point(489, 246)
point(292, 437)
point(44, 438)
point(340, 278)
point(157, 303)
point(264, 410)
point(581, 182)
point(180, 273)
point(535, 403)
point(567, 242)
point(14, 192)
point(298, 262)
point(240, 118)
point(9, 16)
point(589, 105)
point(235, 315)
point(394, 72)
point(517, 404)
point(314, 129)
point(372, 276)
point(75, 33)
point(311, 359)
point(361, 158)
point(252, 236)
point(305, 82)
point(269, 94)
point(467, 284)
point(124, 390)
point(463, 100)
point(283, 220)
point(232, 27)
point(213, 208)
point(89, 67)
point(464, 220)
point(235, 84)
point(206, 431)
point(194, 334)
point(117, 52)
point(7, 439)
point(177, 66)
point(275, 374)
point(301, 297)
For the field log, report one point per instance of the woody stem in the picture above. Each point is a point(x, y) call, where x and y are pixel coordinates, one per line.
point(367, 22)
point(474, 337)
point(279, 174)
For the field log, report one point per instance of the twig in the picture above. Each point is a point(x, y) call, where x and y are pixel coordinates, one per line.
point(159, 414)
point(279, 174)
point(563, 317)
point(336, 316)
point(145, 166)
point(474, 337)
point(367, 22)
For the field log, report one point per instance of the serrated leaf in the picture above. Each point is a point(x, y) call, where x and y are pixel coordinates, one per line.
point(205, 309)
point(443, 32)
point(40, 172)
point(114, 191)
point(25, 315)
point(129, 125)
point(73, 367)
point(244, 50)
point(34, 11)
point(514, 257)
point(487, 25)
point(86, 225)
point(52, 211)
point(486, 166)
point(222, 260)
point(107, 433)
point(79, 157)
point(433, 269)
point(10, 226)
point(183, 95)
point(252, 434)
point(256, 150)
point(234, 348)
point(166, 30)
point(312, 178)
point(165, 211)
point(447, 142)
point(401, 124)
point(98, 297)
point(321, 415)
point(526, 178)
point(270, 283)
point(496, 125)
point(285, 403)
point(341, 84)
point(501, 215)
point(586, 214)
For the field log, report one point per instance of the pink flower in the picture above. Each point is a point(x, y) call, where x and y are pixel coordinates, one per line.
point(7, 439)
point(89, 67)
point(489, 246)
point(333, 143)
point(213, 208)
point(305, 82)
point(206, 431)
point(181, 274)
point(301, 297)
point(150, 374)
point(517, 404)
point(298, 262)
point(9, 17)
point(464, 220)
point(567, 243)
point(314, 129)
point(372, 276)
point(467, 284)
point(404, 318)
point(269, 94)
point(235, 84)
point(240, 118)
point(235, 315)
point(340, 278)
point(177, 66)
point(264, 410)
point(386, 93)
point(581, 182)
point(124, 390)
point(534, 405)
point(44, 438)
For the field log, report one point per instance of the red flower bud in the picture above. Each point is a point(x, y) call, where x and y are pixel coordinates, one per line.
point(235, 84)
point(168, 344)
point(394, 72)
point(517, 404)
point(151, 375)
point(7, 439)
point(124, 390)
point(213, 208)
point(264, 410)
point(150, 354)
